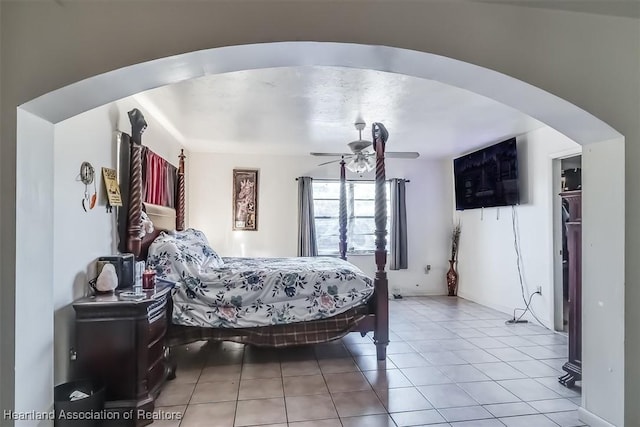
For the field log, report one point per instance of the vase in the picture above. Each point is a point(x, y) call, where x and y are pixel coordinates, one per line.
point(452, 279)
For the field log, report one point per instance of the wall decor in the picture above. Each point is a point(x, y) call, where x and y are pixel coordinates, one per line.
point(87, 177)
point(452, 274)
point(245, 199)
point(112, 187)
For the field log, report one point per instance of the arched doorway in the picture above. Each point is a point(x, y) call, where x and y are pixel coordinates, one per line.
point(603, 237)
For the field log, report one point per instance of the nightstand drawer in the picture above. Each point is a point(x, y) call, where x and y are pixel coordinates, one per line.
point(156, 373)
point(155, 352)
point(157, 328)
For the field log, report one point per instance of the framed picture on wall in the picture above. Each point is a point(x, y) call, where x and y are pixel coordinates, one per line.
point(245, 199)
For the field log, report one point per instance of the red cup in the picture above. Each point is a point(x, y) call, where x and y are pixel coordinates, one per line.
point(149, 279)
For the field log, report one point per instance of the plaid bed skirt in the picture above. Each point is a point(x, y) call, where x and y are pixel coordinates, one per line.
point(301, 333)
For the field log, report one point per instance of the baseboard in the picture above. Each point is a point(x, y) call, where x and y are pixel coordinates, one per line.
point(506, 310)
point(591, 419)
point(486, 302)
point(410, 294)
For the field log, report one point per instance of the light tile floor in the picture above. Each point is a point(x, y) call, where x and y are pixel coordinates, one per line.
point(450, 363)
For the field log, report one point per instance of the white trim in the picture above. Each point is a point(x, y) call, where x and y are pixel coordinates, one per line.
point(508, 311)
point(569, 152)
point(153, 110)
point(592, 419)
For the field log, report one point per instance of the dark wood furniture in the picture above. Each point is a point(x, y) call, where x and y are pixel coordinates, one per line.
point(573, 367)
point(376, 319)
point(122, 344)
point(342, 212)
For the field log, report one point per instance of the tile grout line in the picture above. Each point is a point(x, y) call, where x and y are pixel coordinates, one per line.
point(194, 386)
point(235, 412)
point(335, 408)
point(441, 320)
point(284, 395)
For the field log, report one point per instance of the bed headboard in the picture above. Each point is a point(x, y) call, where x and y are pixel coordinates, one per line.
point(164, 218)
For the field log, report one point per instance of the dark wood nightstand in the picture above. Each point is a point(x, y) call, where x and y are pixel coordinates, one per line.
point(122, 344)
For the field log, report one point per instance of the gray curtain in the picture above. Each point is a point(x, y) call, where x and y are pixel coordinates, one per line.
point(399, 257)
point(307, 244)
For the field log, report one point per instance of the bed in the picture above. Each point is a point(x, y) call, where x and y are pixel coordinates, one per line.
point(273, 302)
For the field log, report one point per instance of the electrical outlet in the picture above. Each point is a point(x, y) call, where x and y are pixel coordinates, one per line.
point(539, 290)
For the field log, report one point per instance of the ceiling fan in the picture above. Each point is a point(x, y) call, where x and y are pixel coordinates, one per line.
point(362, 157)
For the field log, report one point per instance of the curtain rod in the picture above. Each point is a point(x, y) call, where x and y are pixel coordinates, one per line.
point(349, 180)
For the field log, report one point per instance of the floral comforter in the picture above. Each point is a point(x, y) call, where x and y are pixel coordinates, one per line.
point(250, 292)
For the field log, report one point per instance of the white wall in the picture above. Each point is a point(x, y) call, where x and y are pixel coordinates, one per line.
point(81, 237)
point(487, 262)
point(428, 214)
point(36, 268)
point(604, 289)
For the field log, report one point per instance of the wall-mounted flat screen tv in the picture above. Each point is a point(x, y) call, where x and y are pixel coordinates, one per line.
point(487, 177)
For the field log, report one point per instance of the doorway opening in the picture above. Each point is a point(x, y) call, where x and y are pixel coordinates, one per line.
point(571, 180)
point(567, 178)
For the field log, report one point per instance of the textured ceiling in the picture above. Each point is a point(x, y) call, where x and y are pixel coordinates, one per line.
point(296, 110)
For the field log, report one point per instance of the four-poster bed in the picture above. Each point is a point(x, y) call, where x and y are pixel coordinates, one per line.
point(371, 316)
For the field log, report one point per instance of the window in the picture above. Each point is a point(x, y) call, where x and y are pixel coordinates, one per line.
point(360, 216)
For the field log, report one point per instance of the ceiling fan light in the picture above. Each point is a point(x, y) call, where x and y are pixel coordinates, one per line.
point(354, 166)
point(371, 164)
point(360, 165)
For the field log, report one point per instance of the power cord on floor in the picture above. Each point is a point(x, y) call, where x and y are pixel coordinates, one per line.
point(516, 245)
point(524, 311)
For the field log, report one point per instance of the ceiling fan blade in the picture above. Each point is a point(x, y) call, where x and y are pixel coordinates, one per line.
point(402, 154)
point(330, 154)
point(329, 162)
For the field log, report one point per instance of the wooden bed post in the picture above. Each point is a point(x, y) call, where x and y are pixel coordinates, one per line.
point(134, 220)
point(381, 284)
point(180, 205)
point(343, 212)
point(134, 217)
